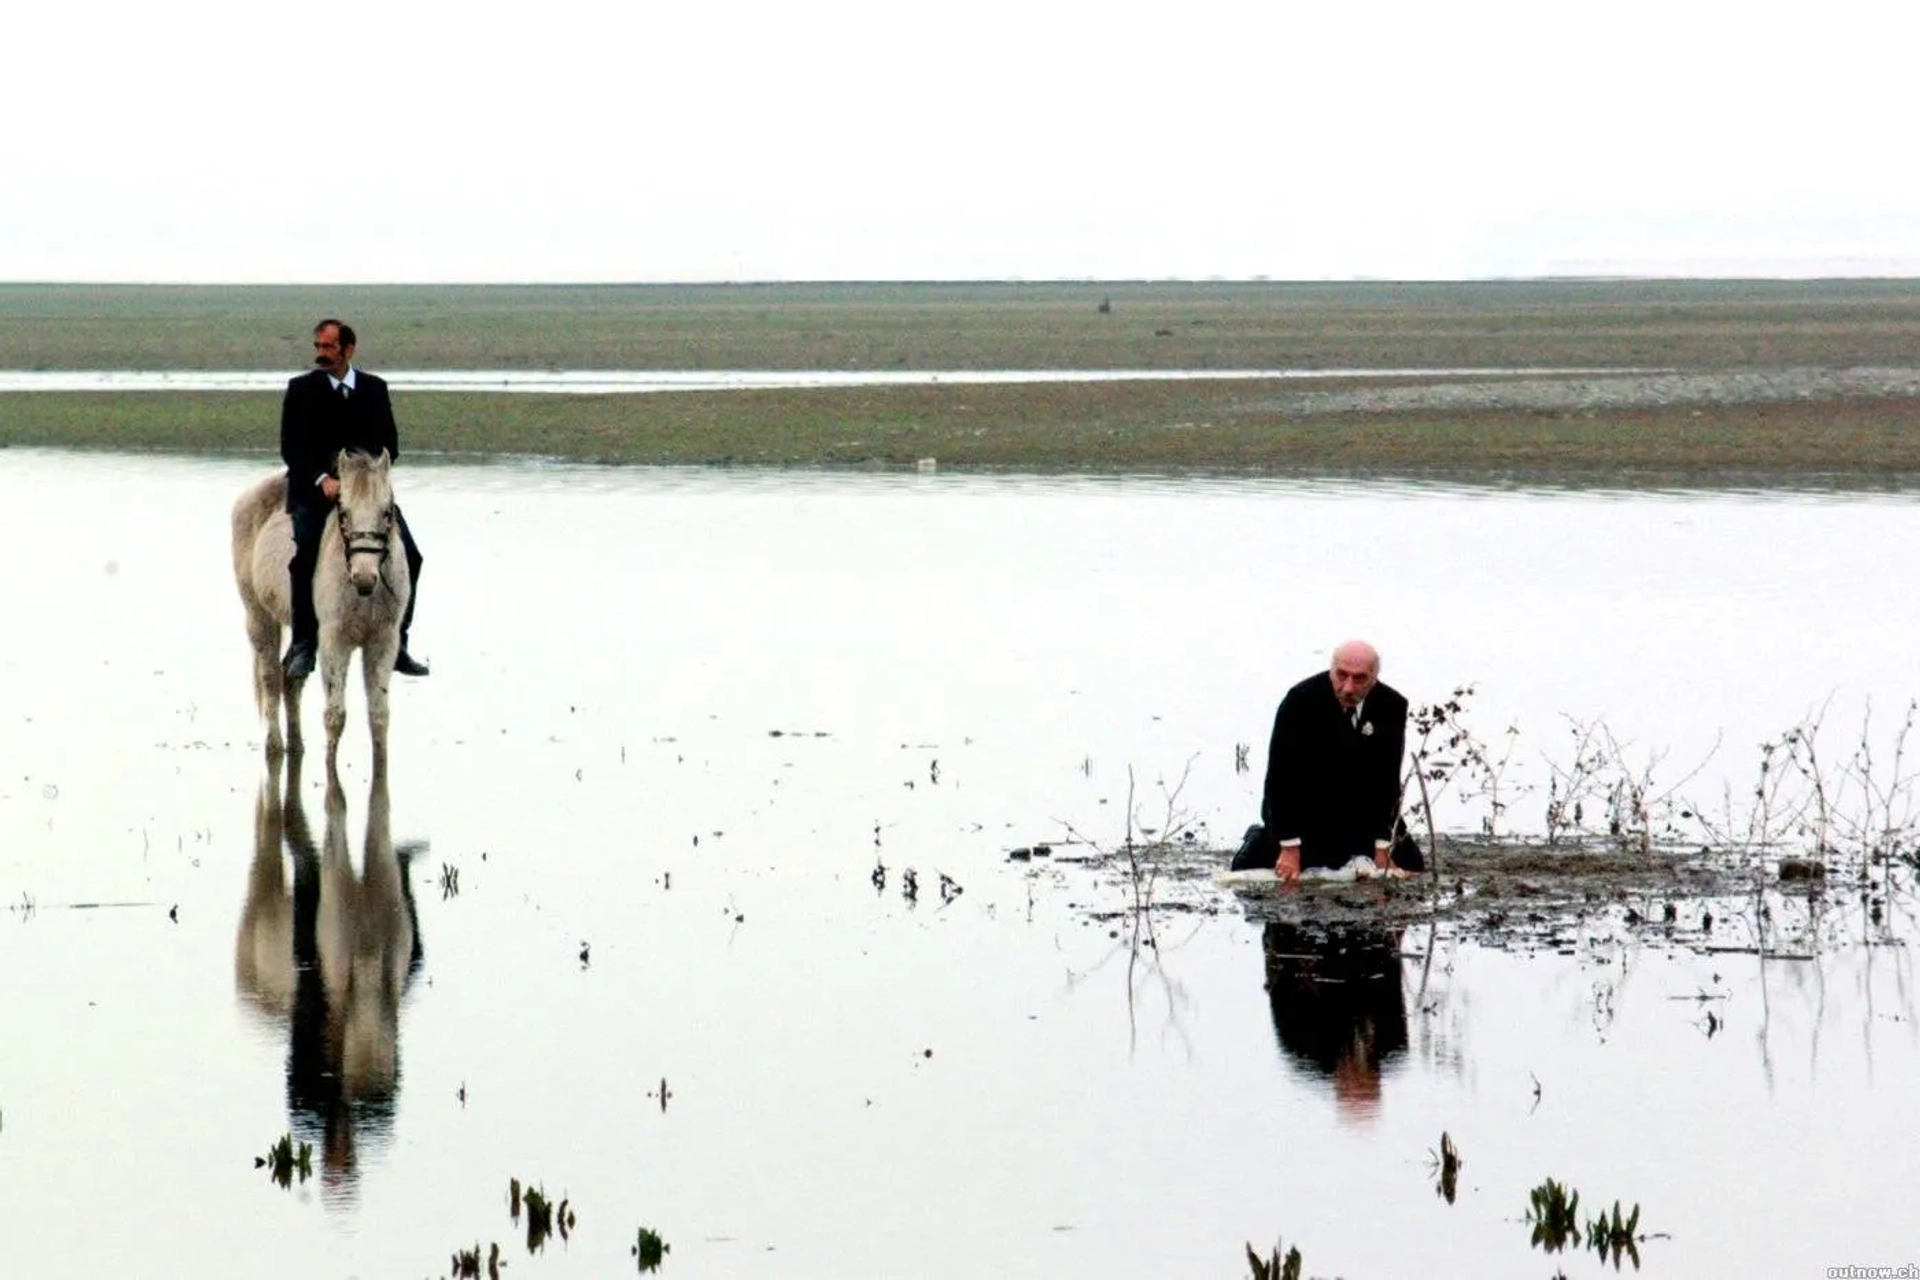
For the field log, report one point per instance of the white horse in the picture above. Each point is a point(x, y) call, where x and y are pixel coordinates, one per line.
point(360, 591)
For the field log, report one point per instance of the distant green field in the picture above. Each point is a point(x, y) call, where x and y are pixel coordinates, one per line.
point(1173, 426)
point(969, 326)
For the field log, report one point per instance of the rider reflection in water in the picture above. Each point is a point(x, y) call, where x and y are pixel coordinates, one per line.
point(1338, 1007)
point(355, 948)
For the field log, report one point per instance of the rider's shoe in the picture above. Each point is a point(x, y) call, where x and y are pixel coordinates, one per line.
point(408, 665)
point(298, 664)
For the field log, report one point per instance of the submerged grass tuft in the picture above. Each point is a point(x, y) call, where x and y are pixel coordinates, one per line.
point(284, 1161)
point(1274, 1266)
point(1554, 1213)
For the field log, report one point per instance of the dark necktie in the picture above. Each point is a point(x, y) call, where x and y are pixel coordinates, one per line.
point(343, 391)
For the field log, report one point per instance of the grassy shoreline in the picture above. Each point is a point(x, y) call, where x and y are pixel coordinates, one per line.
point(1800, 431)
point(1167, 427)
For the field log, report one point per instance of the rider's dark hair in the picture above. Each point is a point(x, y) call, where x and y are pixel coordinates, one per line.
point(346, 330)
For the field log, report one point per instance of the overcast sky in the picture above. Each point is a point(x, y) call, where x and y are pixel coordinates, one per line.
point(227, 140)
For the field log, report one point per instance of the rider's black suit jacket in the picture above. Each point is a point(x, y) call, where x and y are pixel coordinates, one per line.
point(317, 423)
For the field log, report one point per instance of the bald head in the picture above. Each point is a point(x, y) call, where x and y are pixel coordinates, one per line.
point(1355, 670)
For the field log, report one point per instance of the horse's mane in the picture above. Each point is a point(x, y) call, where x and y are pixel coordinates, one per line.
point(363, 478)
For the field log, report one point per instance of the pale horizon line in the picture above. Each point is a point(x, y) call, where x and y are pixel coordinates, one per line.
point(931, 281)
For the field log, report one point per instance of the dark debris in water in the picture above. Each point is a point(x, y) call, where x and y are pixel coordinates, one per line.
point(1447, 1165)
point(650, 1250)
point(466, 1262)
point(543, 1217)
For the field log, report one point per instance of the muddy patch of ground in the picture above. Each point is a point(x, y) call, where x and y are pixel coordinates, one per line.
point(1517, 896)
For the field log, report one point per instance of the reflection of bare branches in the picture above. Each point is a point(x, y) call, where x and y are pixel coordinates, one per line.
point(1441, 1011)
point(1145, 848)
point(1140, 972)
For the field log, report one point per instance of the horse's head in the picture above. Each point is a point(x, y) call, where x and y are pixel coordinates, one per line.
point(366, 516)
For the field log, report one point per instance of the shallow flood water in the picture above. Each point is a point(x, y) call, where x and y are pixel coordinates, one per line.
point(638, 953)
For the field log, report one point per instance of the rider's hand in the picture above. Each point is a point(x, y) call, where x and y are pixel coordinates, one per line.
point(329, 488)
point(1288, 868)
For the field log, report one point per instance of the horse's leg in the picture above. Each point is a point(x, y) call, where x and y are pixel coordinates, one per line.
point(334, 656)
point(296, 741)
point(263, 632)
point(376, 668)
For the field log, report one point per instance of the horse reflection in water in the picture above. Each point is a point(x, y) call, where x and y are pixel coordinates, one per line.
point(1338, 1006)
point(334, 954)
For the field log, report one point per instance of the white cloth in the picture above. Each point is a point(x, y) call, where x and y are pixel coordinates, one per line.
point(1357, 869)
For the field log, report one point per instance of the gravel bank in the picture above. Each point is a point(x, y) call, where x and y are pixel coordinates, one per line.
point(1609, 393)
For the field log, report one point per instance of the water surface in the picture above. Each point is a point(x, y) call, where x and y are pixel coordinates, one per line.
point(676, 720)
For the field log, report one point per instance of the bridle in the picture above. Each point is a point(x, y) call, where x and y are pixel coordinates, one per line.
point(377, 541)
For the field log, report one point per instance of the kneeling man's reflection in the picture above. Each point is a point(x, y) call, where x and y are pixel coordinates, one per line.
point(1338, 1007)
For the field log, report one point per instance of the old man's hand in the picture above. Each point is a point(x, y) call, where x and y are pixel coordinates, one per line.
point(1288, 868)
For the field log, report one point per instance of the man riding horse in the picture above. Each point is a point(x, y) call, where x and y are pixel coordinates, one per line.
point(335, 407)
